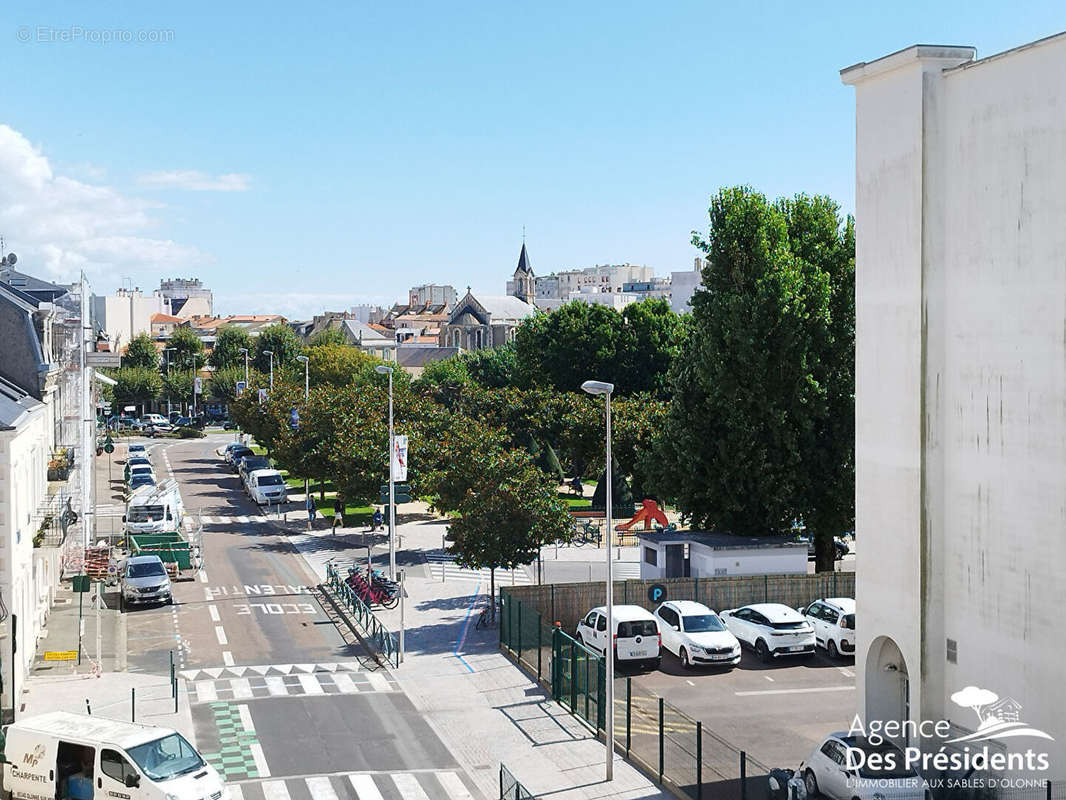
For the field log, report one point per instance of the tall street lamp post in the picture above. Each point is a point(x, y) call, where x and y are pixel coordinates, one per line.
point(271, 354)
point(167, 357)
point(245, 351)
point(307, 394)
point(383, 370)
point(595, 388)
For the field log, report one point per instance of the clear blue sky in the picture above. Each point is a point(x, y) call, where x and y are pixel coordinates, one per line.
point(369, 147)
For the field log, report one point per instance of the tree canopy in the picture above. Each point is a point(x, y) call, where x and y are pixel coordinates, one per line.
point(141, 352)
point(328, 336)
point(283, 342)
point(188, 349)
point(228, 344)
point(135, 385)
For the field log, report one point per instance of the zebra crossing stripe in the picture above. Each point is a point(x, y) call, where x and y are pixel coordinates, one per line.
point(275, 790)
point(453, 785)
point(275, 685)
point(417, 785)
point(310, 684)
point(409, 787)
point(321, 788)
point(365, 788)
point(345, 684)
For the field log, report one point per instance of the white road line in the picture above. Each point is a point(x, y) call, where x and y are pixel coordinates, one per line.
point(243, 520)
point(205, 692)
point(242, 690)
point(847, 673)
point(365, 788)
point(409, 787)
point(768, 678)
point(345, 683)
point(205, 520)
point(213, 611)
point(378, 681)
point(203, 577)
point(310, 684)
point(454, 786)
point(208, 595)
point(276, 685)
point(221, 635)
point(321, 788)
point(227, 658)
point(246, 719)
point(275, 790)
point(235, 791)
point(690, 683)
point(797, 691)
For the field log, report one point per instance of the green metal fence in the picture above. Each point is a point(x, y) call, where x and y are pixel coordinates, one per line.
point(510, 788)
point(382, 637)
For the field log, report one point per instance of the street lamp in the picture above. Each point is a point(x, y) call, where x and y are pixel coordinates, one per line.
point(307, 393)
point(595, 388)
point(381, 369)
point(245, 351)
point(165, 356)
point(271, 354)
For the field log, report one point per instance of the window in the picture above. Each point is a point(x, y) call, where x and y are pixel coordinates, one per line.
point(703, 623)
point(601, 622)
point(113, 765)
point(166, 758)
point(651, 556)
point(669, 616)
point(640, 627)
point(953, 651)
point(145, 569)
point(590, 620)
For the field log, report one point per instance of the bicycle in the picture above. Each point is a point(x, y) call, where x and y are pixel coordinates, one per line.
point(486, 619)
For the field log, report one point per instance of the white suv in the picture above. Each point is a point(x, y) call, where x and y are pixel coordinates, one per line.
point(831, 771)
point(266, 487)
point(635, 635)
point(696, 635)
point(833, 620)
point(771, 630)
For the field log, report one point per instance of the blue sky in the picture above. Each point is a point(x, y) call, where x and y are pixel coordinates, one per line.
point(298, 157)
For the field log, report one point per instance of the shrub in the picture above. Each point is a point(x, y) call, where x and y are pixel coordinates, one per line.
point(190, 433)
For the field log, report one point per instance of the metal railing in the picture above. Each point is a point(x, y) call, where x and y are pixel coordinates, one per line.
point(382, 637)
point(510, 788)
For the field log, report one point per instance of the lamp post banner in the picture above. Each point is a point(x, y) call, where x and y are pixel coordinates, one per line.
point(399, 460)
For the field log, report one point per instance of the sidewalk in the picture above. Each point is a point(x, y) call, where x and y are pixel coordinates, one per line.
point(66, 686)
point(483, 707)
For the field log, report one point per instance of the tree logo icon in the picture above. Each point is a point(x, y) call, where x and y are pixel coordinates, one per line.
point(997, 718)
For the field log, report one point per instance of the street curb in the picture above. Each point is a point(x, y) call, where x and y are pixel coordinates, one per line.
point(339, 609)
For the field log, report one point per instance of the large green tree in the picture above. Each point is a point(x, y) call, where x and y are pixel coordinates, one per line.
point(228, 343)
point(188, 349)
point(339, 364)
point(747, 400)
point(135, 386)
point(328, 336)
point(283, 342)
point(141, 352)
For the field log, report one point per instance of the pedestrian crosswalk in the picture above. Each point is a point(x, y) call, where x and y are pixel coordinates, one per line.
point(444, 568)
point(284, 680)
point(236, 519)
point(415, 785)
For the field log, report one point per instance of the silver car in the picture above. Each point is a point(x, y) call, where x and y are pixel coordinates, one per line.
point(145, 580)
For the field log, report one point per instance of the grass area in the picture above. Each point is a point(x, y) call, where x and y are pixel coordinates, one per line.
point(573, 501)
point(258, 449)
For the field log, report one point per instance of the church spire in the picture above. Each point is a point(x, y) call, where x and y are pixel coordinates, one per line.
point(523, 263)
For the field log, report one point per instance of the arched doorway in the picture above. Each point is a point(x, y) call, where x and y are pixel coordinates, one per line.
point(887, 683)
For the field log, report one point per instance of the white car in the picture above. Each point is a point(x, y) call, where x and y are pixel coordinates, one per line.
point(833, 620)
point(771, 630)
point(840, 768)
point(266, 487)
point(137, 450)
point(635, 635)
point(141, 469)
point(696, 635)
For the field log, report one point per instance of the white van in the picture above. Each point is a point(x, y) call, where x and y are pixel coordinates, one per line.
point(75, 756)
point(154, 509)
point(266, 487)
point(636, 633)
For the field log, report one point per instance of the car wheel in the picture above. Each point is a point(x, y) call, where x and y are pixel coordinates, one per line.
point(170, 600)
point(763, 652)
point(683, 655)
point(831, 649)
point(810, 783)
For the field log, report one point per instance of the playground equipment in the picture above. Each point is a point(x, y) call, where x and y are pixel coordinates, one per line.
point(648, 512)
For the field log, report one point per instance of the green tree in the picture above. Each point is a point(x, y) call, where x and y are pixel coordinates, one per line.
point(576, 342)
point(141, 352)
point(281, 340)
point(135, 386)
point(177, 387)
point(492, 367)
point(227, 351)
point(444, 381)
point(339, 364)
point(188, 349)
point(328, 336)
point(744, 397)
point(222, 385)
point(653, 336)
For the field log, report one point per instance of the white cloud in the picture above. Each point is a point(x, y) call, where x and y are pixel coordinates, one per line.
point(60, 226)
point(195, 181)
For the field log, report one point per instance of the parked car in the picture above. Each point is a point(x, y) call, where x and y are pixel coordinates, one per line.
point(833, 620)
point(696, 635)
point(771, 630)
point(839, 544)
point(635, 634)
point(229, 425)
point(266, 487)
point(159, 428)
point(145, 580)
point(249, 464)
point(149, 420)
point(144, 479)
point(224, 451)
point(139, 470)
point(827, 772)
point(236, 454)
point(137, 450)
point(135, 461)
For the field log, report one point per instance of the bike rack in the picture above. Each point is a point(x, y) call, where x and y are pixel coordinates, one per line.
point(381, 636)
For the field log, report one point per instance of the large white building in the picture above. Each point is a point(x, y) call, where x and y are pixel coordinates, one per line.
point(127, 313)
point(961, 383)
point(684, 284)
point(600, 278)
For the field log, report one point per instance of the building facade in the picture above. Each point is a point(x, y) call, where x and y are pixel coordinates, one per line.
point(684, 284)
point(430, 294)
point(960, 382)
point(125, 314)
point(486, 321)
point(600, 278)
point(186, 297)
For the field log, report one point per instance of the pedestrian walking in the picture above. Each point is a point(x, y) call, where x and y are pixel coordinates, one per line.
point(309, 504)
point(375, 521)
point(338, 514)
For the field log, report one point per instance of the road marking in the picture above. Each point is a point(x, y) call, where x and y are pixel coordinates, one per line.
point(847, 673)
point(246, 719)
point(690, 683)
point(243, 520)
point(213, 611)
point(221, 635)
point(227, 658)
point(453, 785)
point(242, 690)
point(207, 594)
point(797, 691)
point(768, 678)
point(205, 692)
point(235, 791)
point(321, 788)
point(276, 685)
point(378, 681)
point(364, 786)
point(409, 787)
point(310, 684)
point(344, 683)
point(203, 577)
point(275, 790)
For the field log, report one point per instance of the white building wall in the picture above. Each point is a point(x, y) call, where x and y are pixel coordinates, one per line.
point(960, 379)
point(708, 563)
point(682, 286)
point(116, 317)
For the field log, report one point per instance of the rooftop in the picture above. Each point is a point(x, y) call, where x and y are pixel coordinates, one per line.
point(718, 541)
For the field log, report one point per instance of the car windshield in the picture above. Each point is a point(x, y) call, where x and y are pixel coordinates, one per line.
point(252, 463)
point(144, 479)
point(145, 569)
point(270, 480)
point(640, 627)
point(141, 469)
point(241, 452)
point(166, 758)
point(703, 623)
point(145, 514)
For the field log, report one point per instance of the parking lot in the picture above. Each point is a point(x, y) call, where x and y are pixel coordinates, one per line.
point(776, 712)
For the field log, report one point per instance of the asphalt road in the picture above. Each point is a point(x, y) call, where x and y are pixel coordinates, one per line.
point(283, 705)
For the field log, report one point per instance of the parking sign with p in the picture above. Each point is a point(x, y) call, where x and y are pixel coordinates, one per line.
point(657, 593)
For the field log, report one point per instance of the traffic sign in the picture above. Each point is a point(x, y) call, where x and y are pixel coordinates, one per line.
point(109, 447)
point(81, 583)
point(656, 593)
